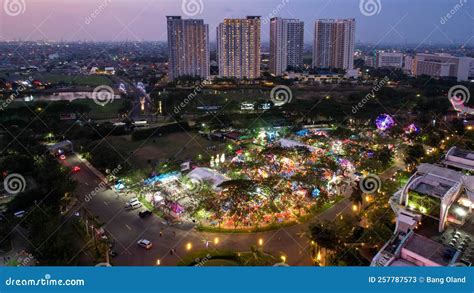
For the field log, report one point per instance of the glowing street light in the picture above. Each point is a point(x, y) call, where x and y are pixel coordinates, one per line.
point(158, 262)
point(189, 246)
point(216, 240)
point(260, 241)
point(283, 258)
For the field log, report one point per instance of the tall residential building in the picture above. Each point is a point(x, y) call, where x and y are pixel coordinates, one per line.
point(443, 66)
point(286, 44)
point(389, 59)
point(238, 47)
point(188, 45)
point(334, 41)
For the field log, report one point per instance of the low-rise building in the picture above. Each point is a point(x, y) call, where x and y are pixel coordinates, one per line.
point(434, 216)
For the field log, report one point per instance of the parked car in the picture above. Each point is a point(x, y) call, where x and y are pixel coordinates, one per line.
point(76, 169)
point(144, 214)
point(145, 243)
point(133, 204)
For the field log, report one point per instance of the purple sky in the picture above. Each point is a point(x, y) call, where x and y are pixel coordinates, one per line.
point(399, 21)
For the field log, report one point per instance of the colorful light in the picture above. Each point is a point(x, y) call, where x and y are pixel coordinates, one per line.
point(412, 128)
point(384, 122)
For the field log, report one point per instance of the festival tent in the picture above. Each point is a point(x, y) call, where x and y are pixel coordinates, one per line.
point(209, 175)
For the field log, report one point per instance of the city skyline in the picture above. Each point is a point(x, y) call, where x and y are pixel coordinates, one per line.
point(122, 20)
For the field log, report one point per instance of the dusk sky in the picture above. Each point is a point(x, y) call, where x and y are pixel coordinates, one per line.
point(399, 21)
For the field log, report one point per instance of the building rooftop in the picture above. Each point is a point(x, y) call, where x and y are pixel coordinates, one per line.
point(429, 249)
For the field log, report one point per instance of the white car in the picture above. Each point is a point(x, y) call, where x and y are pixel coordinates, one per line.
point(132, 201)
point(133, 204)
point(145, 243)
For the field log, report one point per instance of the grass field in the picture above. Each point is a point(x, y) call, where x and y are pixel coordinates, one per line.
point(102, 112)
point(90, 80)
point(54, 78)
point(98, 112)
point(183, 146)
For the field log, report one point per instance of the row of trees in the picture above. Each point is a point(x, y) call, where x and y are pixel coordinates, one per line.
point(49, 234)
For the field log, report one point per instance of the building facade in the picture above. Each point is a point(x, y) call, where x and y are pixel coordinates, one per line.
point(238, 48)
point(434, 214)
point(443, 66)
point(334, 41)
point(286, 44)
point(188, 47)
point(389, 59)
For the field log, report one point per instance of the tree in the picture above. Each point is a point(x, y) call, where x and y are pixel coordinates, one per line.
point(414, 154)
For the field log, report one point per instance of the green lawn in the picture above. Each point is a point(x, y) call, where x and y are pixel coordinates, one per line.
point(86, 80)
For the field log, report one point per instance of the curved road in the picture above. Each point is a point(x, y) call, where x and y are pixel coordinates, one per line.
point(127, 228)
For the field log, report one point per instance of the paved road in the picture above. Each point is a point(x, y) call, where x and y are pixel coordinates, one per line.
point(126, 228)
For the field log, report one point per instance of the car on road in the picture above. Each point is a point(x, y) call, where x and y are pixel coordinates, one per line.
point(133, 204)
point(132, 201)
point(76, 169)
point(144, 214)
point(145, 243)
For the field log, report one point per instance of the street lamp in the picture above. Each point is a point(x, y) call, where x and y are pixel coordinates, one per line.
point(158, 262)
point(260, 241)
point(283, 258)
point(189, 246)
point(216, 240)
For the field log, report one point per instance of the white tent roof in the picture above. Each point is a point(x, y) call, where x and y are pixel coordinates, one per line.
point(206, 174)
point(288, 143)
